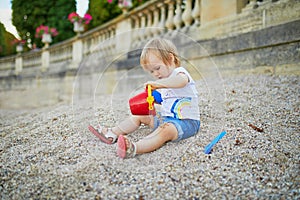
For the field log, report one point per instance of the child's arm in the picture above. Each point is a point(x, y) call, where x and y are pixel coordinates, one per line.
point(178, 81)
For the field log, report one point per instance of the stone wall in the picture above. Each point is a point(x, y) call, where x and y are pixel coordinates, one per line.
point(274, 50)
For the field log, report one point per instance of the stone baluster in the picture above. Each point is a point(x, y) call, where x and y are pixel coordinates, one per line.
point(93, 46)
point(102, 35)
point(170, 20)
point(101, 40)
point(112, 41)
point(108, 47)
point(109, 40)
point(143, 26)
point(100, 45)
point(251, 5)
point(93, 43)
point(86, 47)
point(96, 42)
point(178, 15)
point(104, 43)
point(66, 52)
point(149, 24)
point(135, 33)
point(155, 25)
point(187, 14)
point(196, 13)
point(139, 38)
point(98, 39)
point(162, 22)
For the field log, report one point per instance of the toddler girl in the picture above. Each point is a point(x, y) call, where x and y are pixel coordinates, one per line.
point(180, 116)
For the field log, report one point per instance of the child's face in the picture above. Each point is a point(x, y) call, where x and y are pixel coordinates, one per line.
point(157, 67)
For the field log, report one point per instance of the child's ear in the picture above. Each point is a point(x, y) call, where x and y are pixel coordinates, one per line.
point(172, 58)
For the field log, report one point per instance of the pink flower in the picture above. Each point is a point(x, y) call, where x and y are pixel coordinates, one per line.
point(45, 29)
point(53, 32)
point(18, 42)
point(74, 17)
point(109, 1)
point(87, 18)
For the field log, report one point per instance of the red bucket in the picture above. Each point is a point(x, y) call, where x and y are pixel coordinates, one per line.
point(139, 105)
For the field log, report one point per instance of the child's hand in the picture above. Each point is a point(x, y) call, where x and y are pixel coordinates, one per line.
point(154, 85)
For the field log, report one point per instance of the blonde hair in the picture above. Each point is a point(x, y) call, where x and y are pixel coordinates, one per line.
point(162, 48)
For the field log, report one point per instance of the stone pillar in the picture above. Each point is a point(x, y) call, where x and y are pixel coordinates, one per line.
point(45, 59)
point(143, 26)
point(196, 13)
point(18, 64)
point(169, 23)
point(123, 35)
point(77, 53)
point(177, 20)
point(162, 21)
point(155, 24)
point(149, 23)
point(135, 33)
point(215, 9)
point(187, 14)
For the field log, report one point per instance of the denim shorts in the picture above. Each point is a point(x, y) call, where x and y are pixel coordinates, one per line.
point(186, 127)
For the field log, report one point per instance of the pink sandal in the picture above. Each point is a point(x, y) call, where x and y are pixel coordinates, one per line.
point(126, 148)
point(104, 138)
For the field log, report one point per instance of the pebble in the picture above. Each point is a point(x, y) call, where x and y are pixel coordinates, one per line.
point(48, 153)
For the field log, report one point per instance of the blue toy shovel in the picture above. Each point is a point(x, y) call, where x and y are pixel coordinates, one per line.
point(212, 144)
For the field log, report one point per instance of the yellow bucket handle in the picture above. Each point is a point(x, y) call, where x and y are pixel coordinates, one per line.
point(150, 98)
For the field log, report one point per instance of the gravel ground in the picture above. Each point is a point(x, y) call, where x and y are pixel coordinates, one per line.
point(48, 153)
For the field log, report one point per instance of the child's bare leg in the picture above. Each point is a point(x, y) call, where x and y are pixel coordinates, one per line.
point(132, 123)
point(156, 139)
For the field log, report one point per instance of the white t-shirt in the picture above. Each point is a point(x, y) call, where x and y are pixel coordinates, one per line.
point(180, 103)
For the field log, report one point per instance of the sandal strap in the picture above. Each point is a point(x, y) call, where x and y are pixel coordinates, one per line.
point(99, 128)
point(132, 152)
point(131, 149)
point(110, 134)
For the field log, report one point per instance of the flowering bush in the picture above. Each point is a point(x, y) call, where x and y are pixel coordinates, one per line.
point(18, 42)
point(45, 29)
point(74, 17)
point(123, 3)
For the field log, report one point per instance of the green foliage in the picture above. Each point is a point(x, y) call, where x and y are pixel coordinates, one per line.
point(6, 38)
point(136, 3)
point(58, 18)
point(102, 11)
point(27, 16)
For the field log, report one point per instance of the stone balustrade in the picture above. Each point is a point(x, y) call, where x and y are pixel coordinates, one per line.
point(199, 19)
point(8, 65)
point(32, 59)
